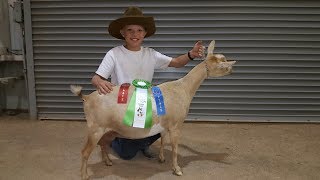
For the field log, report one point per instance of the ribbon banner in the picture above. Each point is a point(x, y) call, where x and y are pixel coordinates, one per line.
point(139, 111)
point(123, 93)
point(161, 109)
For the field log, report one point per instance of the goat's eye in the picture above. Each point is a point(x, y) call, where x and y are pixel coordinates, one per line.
point(223, 66)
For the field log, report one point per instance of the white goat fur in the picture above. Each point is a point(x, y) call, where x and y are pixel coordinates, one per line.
point(105, 116)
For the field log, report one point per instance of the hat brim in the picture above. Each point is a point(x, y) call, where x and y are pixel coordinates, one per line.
point(146, 22)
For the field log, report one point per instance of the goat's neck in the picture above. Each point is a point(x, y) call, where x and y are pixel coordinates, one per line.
point(192, 81)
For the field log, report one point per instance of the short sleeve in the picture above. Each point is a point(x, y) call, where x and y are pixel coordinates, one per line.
point(107, 65)
point(162, 61)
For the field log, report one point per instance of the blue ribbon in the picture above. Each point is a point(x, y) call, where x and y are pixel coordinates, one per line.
point(161, 109)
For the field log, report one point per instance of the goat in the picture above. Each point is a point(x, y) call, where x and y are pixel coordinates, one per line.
point(104, 115)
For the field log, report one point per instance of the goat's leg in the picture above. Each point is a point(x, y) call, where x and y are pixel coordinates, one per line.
point(161, 156)
point(174, 135)
point(87, 150)
point(85, 155)
point(105, 155)
point(104, 143)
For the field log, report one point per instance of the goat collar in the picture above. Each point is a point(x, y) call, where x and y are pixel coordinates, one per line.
point(207, 68)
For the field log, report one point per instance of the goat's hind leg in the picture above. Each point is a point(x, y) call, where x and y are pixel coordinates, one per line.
point(104, 143)
point(92, 140)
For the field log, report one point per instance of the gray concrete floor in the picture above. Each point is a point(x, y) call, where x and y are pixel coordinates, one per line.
point(50, 150)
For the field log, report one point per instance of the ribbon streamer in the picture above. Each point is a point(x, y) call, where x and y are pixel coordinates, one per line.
point(123, 93)
point(157, 94)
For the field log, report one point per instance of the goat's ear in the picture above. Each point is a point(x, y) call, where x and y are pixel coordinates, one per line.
point(211, 47)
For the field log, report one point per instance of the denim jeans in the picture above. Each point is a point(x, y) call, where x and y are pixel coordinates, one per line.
point(128, 148)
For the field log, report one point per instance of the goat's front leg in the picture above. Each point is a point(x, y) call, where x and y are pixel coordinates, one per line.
point(161, 156)
point(174, 135)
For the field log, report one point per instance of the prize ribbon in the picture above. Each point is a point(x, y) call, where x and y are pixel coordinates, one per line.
point(134, 117)
point(158, 98)
point(123, 93)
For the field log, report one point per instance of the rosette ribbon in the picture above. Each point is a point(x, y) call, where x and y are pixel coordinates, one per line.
point(139, 111)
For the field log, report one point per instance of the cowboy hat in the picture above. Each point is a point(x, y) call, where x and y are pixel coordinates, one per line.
point(132, 16)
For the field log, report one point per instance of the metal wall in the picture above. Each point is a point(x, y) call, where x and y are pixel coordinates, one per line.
point(13, 97)
point(276, 45)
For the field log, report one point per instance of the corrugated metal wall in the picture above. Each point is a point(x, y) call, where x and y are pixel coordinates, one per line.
point(276, 44)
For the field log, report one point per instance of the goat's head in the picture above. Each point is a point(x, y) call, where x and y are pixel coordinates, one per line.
point(217, 64)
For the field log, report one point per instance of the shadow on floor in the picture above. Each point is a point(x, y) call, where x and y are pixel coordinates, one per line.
point(142, 168)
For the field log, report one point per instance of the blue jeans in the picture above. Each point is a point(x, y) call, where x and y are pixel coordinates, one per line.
point(128, 148)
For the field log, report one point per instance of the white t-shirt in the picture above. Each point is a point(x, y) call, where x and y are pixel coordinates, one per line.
point(124, 65)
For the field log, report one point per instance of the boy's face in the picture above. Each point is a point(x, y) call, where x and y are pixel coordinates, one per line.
point(133, 35)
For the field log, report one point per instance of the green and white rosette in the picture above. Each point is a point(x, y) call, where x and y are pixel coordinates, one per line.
point(140, 83)
point(139, 111)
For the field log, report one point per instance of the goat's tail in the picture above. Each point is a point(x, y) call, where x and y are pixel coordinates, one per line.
point(76, 89)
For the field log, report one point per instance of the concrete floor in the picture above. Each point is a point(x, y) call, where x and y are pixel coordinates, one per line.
point(50, 150)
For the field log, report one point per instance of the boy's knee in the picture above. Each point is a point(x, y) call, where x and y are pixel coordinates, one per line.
point(126, 155)
point(123, 152)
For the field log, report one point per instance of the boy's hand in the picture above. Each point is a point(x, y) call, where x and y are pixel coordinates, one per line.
point(103, 86)
point(198, 50)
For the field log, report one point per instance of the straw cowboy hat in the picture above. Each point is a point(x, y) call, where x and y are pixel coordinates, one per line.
point(132, 16)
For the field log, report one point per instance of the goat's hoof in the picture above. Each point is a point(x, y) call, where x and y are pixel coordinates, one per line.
point(162, 160)
point(108, 163)
point(85, 177)
point(177, 172)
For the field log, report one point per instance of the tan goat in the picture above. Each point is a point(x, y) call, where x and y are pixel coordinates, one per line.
point(105, 116)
